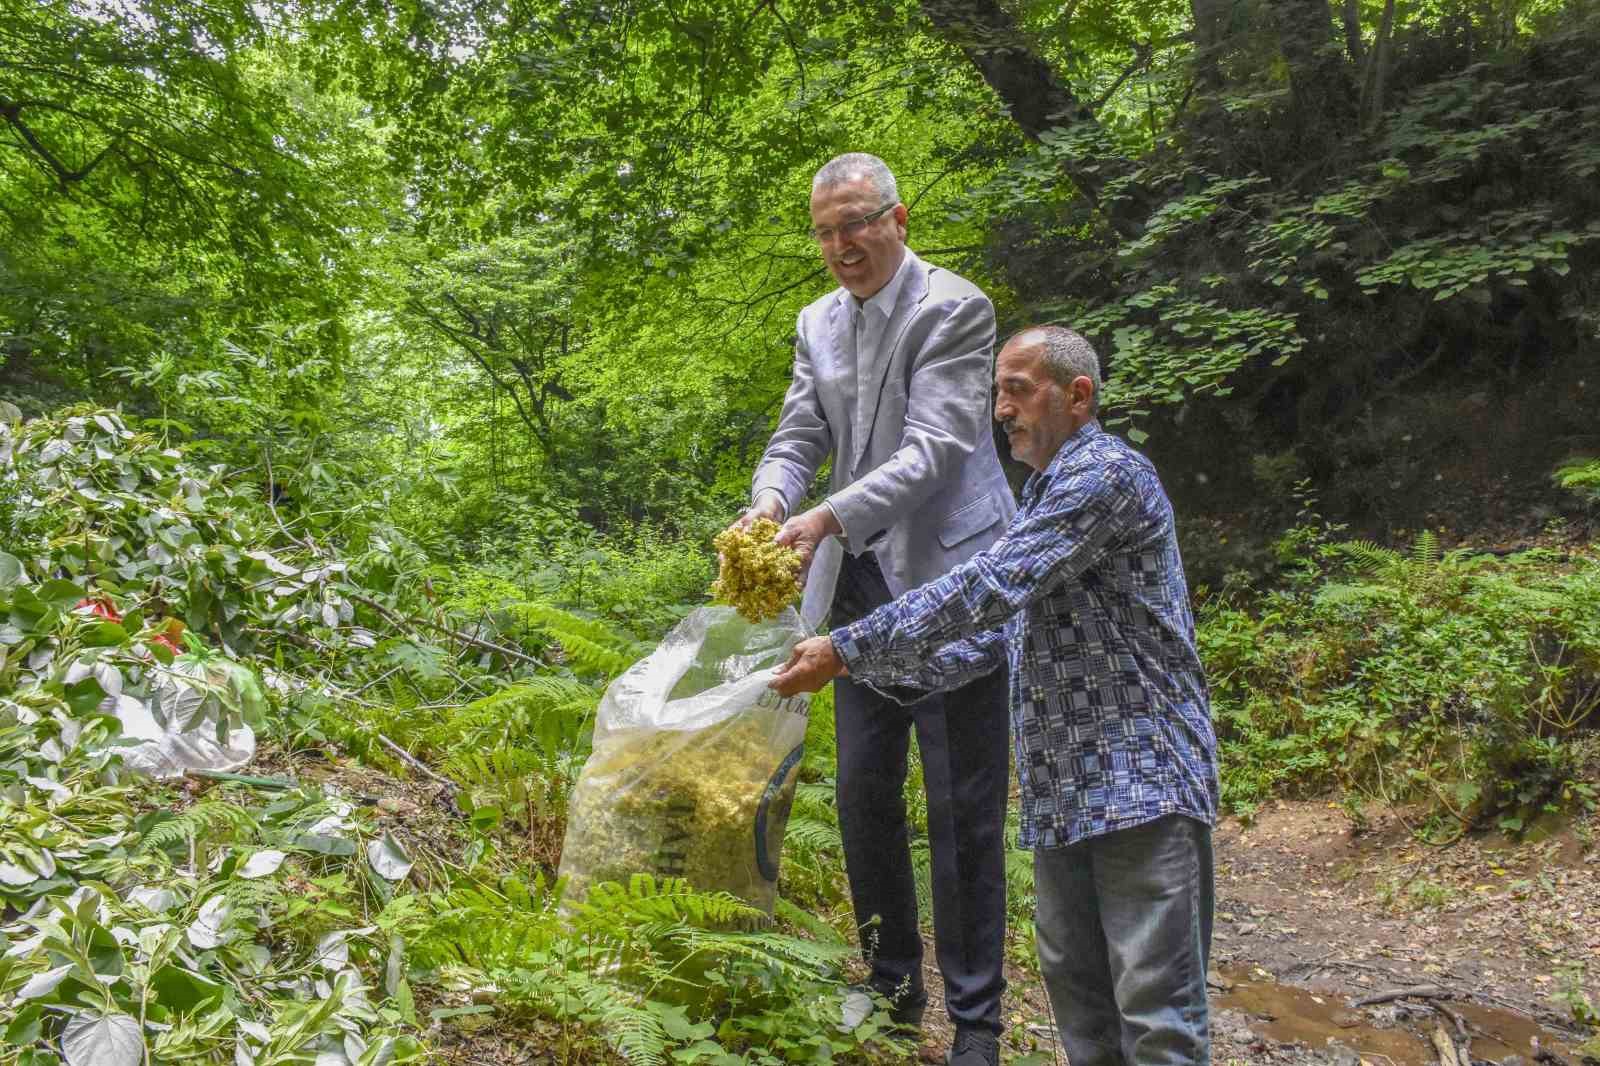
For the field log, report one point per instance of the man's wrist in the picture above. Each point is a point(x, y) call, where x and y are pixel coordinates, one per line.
point(773, 496)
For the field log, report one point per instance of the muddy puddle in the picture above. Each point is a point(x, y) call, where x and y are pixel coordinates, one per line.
point(1288, 1013)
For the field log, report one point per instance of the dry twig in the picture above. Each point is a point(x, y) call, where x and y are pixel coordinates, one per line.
point(1409, 992)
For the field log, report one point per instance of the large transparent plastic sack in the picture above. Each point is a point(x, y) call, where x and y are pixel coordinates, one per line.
point(694, 763)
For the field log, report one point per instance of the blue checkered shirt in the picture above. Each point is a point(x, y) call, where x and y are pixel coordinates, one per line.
point(1084, 597)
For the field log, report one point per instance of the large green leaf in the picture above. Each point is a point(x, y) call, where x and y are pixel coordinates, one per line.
point(103, 1040)
point(11, 571)
point(59, 593)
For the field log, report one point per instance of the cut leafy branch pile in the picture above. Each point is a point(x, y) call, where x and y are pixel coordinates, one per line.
point(131, 933)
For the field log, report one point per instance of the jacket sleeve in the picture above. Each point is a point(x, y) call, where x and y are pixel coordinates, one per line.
point(1080, 520)
point(947, 416)
point(803, 439)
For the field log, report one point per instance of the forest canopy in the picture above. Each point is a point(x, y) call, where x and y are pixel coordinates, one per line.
point(549, 255)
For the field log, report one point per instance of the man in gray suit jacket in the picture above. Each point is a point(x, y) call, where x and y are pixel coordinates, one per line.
point(891, 381)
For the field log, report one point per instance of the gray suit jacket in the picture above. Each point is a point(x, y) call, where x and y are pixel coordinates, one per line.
point(915, 475)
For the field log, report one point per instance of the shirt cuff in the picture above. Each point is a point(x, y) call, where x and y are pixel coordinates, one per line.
point(783, 505)
point(855, 644)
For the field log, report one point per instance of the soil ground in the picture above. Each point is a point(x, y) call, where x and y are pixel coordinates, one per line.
point(1487, 937)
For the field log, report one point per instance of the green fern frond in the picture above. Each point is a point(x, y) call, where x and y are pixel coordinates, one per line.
point(1019, 871)
point(470, 925)
point(591, 646)
point(499, 769)
point(252, 894)
point(537, 695)
point(515, 777)
point(1338, 595)
point(814, 817)
point(815, 796)
point(805, 833)
point(637, 1033)
point(548, 710)
point(793, 957)
point(564, 624)
point(803, 919)
point(591, 658)
point(1580, 475)
point(1367, 557)
point(1425, 552)
point(214, 820)
point(669, 899)
point(616, 1013)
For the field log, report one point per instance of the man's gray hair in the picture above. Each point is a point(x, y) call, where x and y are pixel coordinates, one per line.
point(852, 165)
point(1067, 355)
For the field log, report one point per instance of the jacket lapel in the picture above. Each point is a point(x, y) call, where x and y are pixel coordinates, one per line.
point(912, 292)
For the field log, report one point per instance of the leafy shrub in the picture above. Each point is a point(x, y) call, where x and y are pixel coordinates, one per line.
point(1582, 477)
point(1450, 675)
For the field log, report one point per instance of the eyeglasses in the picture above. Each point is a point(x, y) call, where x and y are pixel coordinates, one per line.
point(850, 230)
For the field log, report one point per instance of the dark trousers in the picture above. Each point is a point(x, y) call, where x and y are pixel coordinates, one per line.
point(962, 739)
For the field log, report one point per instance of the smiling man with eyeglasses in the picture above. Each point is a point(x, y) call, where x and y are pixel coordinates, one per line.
point(891, 382)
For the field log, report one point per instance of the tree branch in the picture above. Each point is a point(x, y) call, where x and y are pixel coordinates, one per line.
point(65, 176)
point(1141, 58)
point(400, 621)
point(1040, 103)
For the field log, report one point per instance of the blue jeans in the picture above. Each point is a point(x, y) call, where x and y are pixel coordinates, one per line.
point(1123, 928)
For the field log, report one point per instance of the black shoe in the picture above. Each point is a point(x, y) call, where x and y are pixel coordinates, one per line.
point(860, 1001)
point(973, 1047)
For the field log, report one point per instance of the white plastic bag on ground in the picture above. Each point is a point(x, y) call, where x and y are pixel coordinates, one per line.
point(191, 720)
point(694, 763)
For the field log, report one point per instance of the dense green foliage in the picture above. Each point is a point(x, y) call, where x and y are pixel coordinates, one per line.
point(263, 914)
point(1459, 678)
point(530, 269)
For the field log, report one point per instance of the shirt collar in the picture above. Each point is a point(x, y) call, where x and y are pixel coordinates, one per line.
point(1069, 447)
point(884, 299)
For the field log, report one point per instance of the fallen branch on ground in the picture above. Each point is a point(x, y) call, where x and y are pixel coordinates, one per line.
point(1445, 1048)
point(1411, 992)
point(397, 619)
point(450, 787)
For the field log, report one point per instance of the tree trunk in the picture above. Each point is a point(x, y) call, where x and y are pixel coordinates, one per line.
point(1211, 22)
point(1324, 95)
point(1377, 69)
point(1039, 102)
point(1352, 31)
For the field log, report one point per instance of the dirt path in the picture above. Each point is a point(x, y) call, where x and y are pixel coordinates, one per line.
point(1488, 935)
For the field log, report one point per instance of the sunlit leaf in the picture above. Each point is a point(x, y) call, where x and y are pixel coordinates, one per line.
point(261, 864)
point(102, 1040)
point(389, 861)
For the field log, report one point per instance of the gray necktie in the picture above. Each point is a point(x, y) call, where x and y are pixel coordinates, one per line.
point(865, 357)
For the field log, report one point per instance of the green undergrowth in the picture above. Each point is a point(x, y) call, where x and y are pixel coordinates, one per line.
point(273, 920)
point(1466, 680)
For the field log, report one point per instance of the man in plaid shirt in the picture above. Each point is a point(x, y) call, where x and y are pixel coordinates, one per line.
point(1084, 595)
